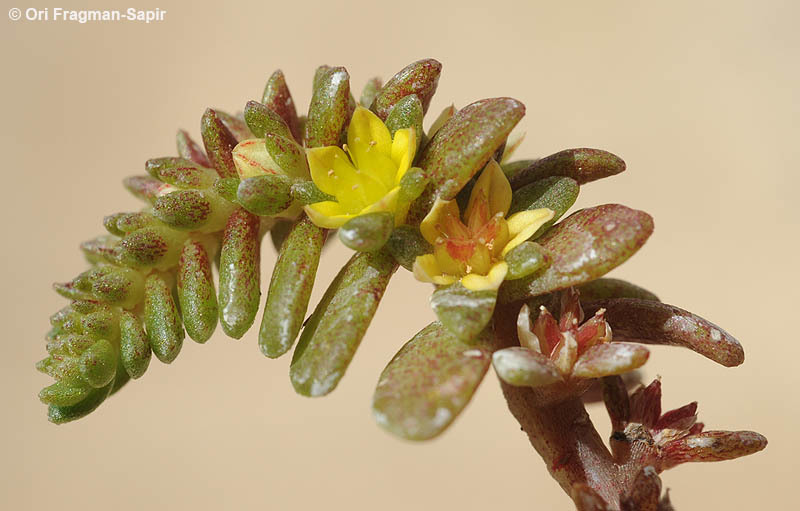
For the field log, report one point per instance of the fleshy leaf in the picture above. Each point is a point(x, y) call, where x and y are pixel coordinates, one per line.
point(523, 367)
point(161, 319)
point(712, 446)
point(263, 120)
point(185, 210)
point(420, 78)
point(306, 192)
point(196, 293)
point(555, 193)
point(608, 359)
point(583, 165)
point(407, 113)
point(329, 109)
point(465, 313)
point(190, 150)
point(370, 91)
point(219, 142)
point(583, 247)
point(134, 346)
point(406, 244)
point(335, 329)
point(651, 322)
point(265, 195)
point(64, 414)
point(525, 259)
point(368, 232)
point(429, 382)
point(290, 288)
point(605, 288)
point(463, 146)
point(278, 99)
point(239, 273)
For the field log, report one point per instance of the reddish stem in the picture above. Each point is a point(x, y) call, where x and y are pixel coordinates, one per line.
point(565, 438)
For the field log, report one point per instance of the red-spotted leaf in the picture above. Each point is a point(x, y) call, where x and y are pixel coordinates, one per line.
point(583, 247)
point(420, 78)
point(605, 288)
point(652, 322)
point(583, 165)
point(334, 330)
point(463, 146)
point(429, 382)
point(712, 446)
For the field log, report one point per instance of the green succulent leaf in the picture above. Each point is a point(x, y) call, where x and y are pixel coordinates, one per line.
point(585, 246)
point(368, 232)
point(306, 192)
point(196, 293)
point(370, 91)
point(606, 288)
point(63, 414)
point(277, 98)
point(263, 120)
point(583, 165)
point(429, 382)
point(265, 195)
point(134, 345)
point(180, 172)
point(336, 327)
point(290, 287)
point(526, 259)
point(161, 318)
point(419, 78)
point(239, 273)
point(330, 106)
point(522, 367)
point(464, 312)
point(652, 322)
point(190, 150)
point(556, 193)
point(406, 244)
point(407, 113)
point(462, 147)
point(219, 143)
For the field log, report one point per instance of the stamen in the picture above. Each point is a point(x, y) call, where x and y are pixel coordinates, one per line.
point(355, 187)
point(330, 172)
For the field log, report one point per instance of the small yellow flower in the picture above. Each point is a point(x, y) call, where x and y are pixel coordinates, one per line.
point(472, 249)
point(369, 179)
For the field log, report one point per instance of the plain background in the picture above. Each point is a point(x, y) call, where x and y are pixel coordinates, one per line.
point(700, 99)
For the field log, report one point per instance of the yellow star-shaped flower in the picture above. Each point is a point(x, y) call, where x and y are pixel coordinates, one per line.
point(473, 249)
point(366, 178)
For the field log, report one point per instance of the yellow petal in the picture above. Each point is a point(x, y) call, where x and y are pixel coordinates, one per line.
point(426, 268)
point(444, 280)
point(404, 146)
point(386, 203)
point(252, 159)
point(367, 134)
point(488, 282)
point(445, 116)
point(428, 225)
point(524, 224)
point(495, 187)
point(327, 214)
point(327, 165)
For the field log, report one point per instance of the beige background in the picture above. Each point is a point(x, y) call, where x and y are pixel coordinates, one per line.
point(700, 99)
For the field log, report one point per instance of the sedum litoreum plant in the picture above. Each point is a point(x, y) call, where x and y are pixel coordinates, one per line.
point(515, 284)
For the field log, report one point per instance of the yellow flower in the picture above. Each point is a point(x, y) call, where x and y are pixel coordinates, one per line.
point(369, 179)
point(472, 249)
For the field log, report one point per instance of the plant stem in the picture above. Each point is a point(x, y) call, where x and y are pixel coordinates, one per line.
point(565, 438)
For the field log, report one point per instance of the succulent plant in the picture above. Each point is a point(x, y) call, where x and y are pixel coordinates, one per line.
point(513, 282)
